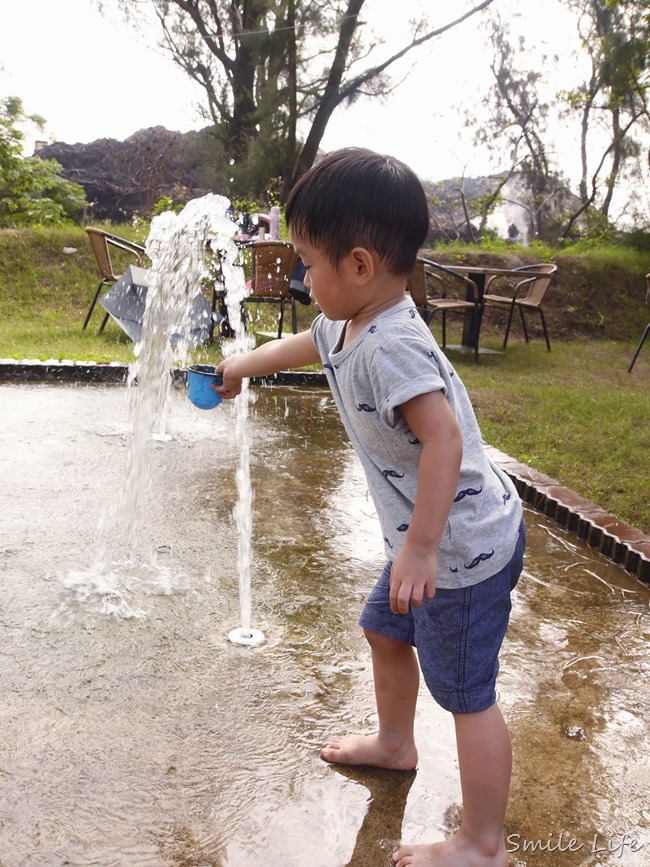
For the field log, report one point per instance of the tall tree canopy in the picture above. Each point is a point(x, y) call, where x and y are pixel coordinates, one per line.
point(608, 109)
point(613, 100)
point(274, 71)
point(515, 126)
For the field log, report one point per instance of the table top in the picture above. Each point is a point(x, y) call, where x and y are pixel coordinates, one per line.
point(480, 271)
point(493, 271)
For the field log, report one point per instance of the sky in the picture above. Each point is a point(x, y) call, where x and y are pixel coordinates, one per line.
point(93, 77)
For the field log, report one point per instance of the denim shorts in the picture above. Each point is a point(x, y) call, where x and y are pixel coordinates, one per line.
point(457, 634)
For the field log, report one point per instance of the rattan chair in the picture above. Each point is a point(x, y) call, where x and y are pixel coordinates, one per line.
point(528, 295)
point(101, 242)
point(430, 287)
point(420, 283)
point(271, 267)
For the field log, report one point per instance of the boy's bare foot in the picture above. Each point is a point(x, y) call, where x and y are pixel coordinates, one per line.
point(450, 853)
point(370, 751)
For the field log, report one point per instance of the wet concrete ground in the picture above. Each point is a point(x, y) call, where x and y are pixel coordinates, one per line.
point(133, 733)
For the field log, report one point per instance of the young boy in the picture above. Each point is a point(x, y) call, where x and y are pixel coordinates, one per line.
point(451, 520)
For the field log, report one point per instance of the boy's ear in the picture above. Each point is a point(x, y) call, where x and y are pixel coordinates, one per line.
point(362, 263)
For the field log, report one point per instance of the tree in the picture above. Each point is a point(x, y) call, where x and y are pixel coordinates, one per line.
point(31, 189)
point(613, 102)
point(268, 68)
point(460, 207)
point(609, 108)
point(515, 122)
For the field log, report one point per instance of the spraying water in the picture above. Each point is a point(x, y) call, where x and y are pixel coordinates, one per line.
point(186, 250)
point(233, 277)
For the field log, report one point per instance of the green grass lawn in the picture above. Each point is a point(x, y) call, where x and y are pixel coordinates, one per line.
point(573, 413)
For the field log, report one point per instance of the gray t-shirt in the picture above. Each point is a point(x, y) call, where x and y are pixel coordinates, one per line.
point(394, 360)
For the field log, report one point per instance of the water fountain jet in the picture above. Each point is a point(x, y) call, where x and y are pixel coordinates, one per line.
point(247, 637)
point(186, 250)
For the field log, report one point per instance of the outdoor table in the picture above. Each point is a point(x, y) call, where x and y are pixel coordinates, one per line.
point(479, 275)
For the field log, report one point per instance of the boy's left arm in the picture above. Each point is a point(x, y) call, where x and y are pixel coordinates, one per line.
point(414, 572)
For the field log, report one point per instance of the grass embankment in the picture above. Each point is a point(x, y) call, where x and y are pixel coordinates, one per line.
point(574, 413)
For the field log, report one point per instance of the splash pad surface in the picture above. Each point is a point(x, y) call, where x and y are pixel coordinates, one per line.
point(135, 733)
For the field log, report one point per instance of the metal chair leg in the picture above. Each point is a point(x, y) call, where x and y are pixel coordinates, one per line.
point(638, 349)
point(525, 327)
point(102, 282)
point(548, 342)
point(281, 319)
point(510, 314)
point(543, 320)
point(523, 323)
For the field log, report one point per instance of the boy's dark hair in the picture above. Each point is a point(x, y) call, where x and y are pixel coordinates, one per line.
point(355, 197)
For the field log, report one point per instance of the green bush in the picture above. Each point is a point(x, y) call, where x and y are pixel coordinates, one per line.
point(32, 191)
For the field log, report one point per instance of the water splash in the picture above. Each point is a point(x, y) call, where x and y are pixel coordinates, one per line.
point(178, 246)
point(187, 250)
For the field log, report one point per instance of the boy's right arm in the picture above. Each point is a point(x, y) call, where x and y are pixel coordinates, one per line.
point(296, 350)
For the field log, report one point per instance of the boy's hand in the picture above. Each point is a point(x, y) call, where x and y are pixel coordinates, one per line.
point(412, 578)
point(231, 385)
point(294, 350)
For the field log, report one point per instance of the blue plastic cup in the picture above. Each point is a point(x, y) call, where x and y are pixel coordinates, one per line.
point(199, 379)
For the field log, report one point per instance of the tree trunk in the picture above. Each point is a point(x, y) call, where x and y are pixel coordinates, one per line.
point(331, 96)
point(243, 123)
point(292, 84)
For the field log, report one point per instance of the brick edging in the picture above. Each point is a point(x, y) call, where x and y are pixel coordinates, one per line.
point(78, 371)
point(616, 540)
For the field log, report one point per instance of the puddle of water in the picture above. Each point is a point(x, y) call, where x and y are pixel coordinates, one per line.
point(134, 733)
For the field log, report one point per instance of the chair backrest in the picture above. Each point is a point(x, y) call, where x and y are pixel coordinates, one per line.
point(416, 284)
point(418, 280)
point(436, 270)
point(273, 264)
point(100, 241)
point(537, 286)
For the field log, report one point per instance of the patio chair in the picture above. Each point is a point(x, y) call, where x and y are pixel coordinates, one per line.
point(528, 295)
point(430, 292)
point(646, 330)
point(272, 265)
point(101, 242)
point(419, 284)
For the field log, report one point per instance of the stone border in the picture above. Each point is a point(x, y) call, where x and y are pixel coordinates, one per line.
point(62, 371)
point(616, 540)
point(89, 371)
